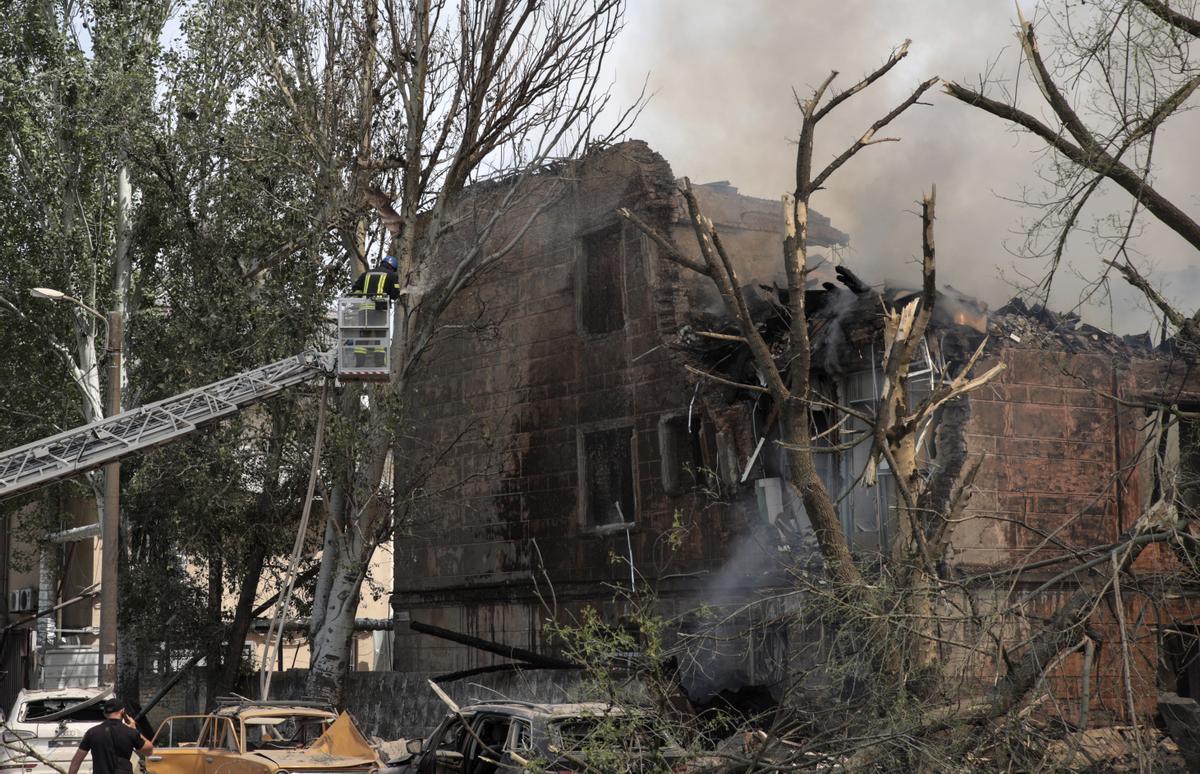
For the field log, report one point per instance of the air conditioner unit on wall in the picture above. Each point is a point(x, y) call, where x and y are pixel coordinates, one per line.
point(27, 599)
point(14, 601)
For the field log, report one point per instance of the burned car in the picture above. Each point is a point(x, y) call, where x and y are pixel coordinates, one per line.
point(514, 736)
point(262, 738)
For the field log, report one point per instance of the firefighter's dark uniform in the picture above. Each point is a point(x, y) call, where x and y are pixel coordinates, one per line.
point(376, 283)
point(380, 281)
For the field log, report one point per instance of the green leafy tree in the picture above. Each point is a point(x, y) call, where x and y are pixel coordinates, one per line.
point(149, 179)
point(400, 108)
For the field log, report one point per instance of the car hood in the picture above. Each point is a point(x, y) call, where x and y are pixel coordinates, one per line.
point(342, 746)
point(297, 760)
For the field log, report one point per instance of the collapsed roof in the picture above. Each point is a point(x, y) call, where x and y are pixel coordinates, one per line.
point(846, 316)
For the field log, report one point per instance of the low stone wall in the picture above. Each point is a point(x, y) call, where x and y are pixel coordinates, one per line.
point(395, 705)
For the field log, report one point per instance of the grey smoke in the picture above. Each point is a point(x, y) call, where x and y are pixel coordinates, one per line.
point(722, 75)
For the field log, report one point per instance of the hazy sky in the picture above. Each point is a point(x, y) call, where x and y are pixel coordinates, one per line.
point(721, 74)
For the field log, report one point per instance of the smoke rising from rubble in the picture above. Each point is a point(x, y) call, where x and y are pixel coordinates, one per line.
point(716, 659)
point(723, 109)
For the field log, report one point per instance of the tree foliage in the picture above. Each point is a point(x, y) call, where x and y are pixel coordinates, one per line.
point(145, 171)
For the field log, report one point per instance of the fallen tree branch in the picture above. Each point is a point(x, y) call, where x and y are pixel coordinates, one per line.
point(516, 654)
point(1174, 18)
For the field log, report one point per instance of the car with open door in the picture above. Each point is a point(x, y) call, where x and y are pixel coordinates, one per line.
point(262, 738)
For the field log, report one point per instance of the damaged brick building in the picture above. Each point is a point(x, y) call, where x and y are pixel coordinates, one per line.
point(577, 454)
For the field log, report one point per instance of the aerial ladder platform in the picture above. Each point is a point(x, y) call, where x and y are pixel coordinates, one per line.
point(94, 445)
point(362, 354)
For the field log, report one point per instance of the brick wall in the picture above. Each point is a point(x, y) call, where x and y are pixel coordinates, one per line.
point(502, 542)
point(519, 396)
point(1062, 461)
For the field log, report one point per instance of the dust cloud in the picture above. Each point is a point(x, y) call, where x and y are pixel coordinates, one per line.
point(722, 75)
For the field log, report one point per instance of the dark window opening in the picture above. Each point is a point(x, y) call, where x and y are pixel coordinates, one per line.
point(608, 476)
point(1188, 478)
point(1181, 660)
point(602, 297)
point(687, 460)
point(523, 740)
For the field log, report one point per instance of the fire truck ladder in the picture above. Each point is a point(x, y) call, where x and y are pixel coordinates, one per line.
point(91, 446)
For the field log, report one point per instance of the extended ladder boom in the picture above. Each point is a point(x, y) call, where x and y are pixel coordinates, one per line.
point(109, 439)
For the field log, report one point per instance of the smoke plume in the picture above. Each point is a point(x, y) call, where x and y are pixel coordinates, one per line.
point(722, 108)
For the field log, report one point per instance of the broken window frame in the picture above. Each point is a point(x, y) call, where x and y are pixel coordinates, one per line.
point(919, 381)
point(1182, 463)
point(709, 468)
point(613, 266)
point(587, 519)
point(477, 746)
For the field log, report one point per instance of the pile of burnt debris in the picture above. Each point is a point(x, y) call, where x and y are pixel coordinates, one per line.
point(1036, 327)
point(846, 317)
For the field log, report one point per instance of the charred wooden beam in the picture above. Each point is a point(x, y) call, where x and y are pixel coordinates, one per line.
point(516, 654)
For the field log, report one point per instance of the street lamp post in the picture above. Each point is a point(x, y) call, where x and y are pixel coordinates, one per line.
point(110, 526)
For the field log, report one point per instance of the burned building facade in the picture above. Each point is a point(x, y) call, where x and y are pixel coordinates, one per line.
point(579, 457)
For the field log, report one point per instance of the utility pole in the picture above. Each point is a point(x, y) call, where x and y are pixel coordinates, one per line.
point(110, 527)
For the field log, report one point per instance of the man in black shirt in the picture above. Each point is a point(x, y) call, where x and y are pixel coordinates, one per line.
point(111, 743)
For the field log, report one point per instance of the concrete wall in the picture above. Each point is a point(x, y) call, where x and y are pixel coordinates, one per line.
point(401, 705)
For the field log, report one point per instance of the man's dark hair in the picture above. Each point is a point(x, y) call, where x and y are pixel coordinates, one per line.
point(109, 706)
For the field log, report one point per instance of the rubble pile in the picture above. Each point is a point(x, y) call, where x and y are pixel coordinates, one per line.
point(1036, 327)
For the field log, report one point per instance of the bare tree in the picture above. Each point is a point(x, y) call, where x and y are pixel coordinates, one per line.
point(789, 385)
point(897, 621)
point(1116, 80)
point(445, 94)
